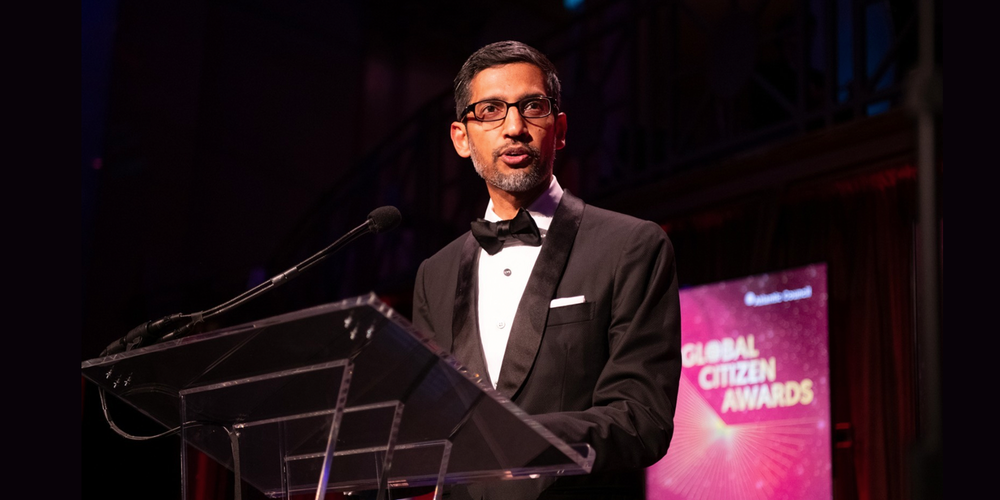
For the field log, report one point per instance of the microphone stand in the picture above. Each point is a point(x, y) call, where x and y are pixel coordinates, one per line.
point(180, 325)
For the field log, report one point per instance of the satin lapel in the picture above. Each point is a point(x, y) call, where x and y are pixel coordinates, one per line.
point(466, 345)
point(533, 310)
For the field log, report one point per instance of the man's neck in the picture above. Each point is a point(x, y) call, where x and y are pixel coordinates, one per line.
point(506, 204)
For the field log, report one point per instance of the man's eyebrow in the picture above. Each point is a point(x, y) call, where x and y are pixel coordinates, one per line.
point(523, 97)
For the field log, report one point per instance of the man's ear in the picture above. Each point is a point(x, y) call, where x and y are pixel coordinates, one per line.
point(460, 139)
point(560, 130)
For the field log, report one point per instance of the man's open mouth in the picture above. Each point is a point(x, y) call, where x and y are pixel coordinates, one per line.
point(517, 155)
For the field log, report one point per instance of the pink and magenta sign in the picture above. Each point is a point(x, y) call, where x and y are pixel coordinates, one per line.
point(753, 410)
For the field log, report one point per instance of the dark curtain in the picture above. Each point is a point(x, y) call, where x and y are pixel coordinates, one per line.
point(862, 227)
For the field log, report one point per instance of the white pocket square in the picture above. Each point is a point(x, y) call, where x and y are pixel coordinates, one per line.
point(566, 301)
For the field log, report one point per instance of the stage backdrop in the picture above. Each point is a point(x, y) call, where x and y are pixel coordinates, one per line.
point(753, 411)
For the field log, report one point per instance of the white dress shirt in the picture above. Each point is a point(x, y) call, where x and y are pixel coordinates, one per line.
point(503, 276)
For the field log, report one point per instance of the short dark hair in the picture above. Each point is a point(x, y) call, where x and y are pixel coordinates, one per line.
point(498, 54)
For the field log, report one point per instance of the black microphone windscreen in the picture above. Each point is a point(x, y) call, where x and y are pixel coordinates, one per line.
point(384, 218)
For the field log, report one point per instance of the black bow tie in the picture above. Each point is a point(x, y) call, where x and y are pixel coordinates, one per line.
point(491, 235)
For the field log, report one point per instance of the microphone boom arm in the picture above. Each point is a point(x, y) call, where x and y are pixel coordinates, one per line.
point(180, 325)
point(274, 282)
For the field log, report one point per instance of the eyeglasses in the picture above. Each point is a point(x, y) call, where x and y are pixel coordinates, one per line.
point(493, 110)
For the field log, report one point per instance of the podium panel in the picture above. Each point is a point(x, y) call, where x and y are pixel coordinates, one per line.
point(345, 396)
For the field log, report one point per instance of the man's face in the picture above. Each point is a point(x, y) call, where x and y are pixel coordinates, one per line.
point(514, 154)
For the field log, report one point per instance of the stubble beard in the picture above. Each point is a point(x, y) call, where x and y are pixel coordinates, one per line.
point(519, 180)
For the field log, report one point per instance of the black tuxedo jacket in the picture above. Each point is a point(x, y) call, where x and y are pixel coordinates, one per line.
point(603, 372)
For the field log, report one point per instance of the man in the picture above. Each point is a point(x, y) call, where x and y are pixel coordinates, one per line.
point(579, 325)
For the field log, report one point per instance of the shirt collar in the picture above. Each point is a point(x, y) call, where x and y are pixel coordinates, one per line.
point(542, 209)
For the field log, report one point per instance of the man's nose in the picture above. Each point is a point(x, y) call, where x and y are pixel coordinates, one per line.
point(514, 125)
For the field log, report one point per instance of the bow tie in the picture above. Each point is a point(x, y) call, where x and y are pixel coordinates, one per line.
point(492, 235)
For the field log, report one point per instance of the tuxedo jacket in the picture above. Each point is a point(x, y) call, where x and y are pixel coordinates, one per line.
point(602, 372)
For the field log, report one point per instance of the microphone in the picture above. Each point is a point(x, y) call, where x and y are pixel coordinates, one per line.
point(380, 220)
point(383, 219)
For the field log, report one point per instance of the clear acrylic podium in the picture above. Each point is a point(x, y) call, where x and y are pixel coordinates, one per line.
point(345, 396)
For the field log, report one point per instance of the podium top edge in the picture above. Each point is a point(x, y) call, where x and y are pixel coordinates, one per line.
point(369, 299)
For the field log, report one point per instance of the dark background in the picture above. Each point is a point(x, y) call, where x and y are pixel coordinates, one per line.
point(225, 141)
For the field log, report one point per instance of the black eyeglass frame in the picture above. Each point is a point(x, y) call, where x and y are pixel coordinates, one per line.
point(553, 108)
